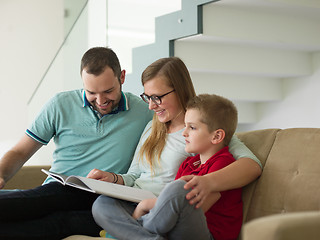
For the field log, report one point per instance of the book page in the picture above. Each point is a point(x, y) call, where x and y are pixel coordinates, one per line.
point(75, 181)
point(58, 177)
point(101, 187)
point(117, 190)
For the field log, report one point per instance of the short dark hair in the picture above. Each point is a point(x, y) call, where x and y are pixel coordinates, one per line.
point(96, 59)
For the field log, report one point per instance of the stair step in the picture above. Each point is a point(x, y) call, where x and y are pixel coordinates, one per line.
point(262, 24)
point(243, 59)
point(237, 87)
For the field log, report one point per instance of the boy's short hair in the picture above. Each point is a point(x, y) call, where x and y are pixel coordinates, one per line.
point(217, 113)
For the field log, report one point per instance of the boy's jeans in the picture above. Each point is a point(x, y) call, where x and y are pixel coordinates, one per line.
point(172, 217)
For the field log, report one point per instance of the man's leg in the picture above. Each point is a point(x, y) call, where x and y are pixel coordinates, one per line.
point(55, 226)
point(115, 216)
point(174, 217)
point(43, 200)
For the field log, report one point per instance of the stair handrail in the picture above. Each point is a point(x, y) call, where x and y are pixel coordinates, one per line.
point(57, 53)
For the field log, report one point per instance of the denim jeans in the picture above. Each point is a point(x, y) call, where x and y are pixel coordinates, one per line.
point(51, 211)
point(172, 217)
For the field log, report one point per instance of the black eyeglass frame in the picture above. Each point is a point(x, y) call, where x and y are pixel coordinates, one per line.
point(156, 99)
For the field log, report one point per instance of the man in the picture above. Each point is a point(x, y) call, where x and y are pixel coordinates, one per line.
point(97, 127)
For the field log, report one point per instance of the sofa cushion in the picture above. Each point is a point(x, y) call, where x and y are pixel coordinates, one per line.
point(290, 180)
point(293, 226)
point(29, 177)
point(260, 143)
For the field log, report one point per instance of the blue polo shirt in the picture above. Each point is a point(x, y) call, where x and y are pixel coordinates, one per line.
point(84, 139)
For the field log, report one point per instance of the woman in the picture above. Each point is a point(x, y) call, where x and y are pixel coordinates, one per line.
point(167, 89)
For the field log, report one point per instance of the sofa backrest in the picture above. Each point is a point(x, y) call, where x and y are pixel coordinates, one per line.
point(28, 177)
point(290, 181)
point(260, 143)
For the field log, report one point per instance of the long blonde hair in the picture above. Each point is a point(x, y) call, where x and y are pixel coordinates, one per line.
point(177, 76)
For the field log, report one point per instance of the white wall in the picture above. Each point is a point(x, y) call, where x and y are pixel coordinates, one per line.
point(31, 32)
point(131, 23)
point(299, 106)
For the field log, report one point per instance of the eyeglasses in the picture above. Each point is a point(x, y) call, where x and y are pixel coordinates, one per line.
point(156, 99)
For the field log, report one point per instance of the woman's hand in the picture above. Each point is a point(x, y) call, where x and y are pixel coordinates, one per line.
point(101, 175)
point(105, 176)
point(144, 207)
point(201, 189)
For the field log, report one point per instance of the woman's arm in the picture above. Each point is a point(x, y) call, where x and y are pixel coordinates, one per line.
point(239, 150)
point(105, 176)
point(236, 175)
point(210, 200)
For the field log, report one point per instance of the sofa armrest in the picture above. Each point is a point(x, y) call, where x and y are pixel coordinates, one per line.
point(27, 177)
point(293, 226)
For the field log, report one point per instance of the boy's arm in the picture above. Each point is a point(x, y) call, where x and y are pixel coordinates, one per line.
point(14, 159)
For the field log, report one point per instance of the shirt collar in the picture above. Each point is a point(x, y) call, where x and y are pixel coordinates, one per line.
point(196, 162)
point(122, 106)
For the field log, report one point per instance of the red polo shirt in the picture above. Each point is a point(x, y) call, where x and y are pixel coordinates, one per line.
point(224, 218)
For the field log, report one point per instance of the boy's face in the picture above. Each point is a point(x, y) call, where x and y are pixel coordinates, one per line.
point(197, 136)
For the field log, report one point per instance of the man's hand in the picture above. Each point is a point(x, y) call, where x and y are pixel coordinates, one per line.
point(2, 183)
point(101, 175)
point(144, 207)
point(200, 189)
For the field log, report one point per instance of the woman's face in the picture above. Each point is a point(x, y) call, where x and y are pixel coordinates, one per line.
point(170, 108)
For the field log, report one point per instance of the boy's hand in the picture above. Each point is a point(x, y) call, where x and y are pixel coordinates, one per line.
point(200, 189)
point(144, 207)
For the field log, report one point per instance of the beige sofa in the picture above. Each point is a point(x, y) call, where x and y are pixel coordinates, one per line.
point(283, 203)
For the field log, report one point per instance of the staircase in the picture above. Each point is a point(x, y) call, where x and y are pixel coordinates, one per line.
point(241, 49)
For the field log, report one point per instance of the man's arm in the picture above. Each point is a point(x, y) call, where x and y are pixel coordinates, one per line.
point(14, 159)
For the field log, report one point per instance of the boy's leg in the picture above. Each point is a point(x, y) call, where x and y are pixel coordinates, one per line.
point(174, 217)
point(115, 216)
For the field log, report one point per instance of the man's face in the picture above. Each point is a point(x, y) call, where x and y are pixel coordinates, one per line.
point(103, 91)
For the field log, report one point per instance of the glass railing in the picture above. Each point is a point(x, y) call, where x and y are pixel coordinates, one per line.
point(63, 71)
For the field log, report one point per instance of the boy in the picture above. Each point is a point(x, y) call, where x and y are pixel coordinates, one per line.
point(210, 123)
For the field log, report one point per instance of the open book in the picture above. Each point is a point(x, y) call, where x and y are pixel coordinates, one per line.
point(105, 188)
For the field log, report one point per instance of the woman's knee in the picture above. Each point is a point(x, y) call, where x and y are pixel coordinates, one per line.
point(100, 205)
